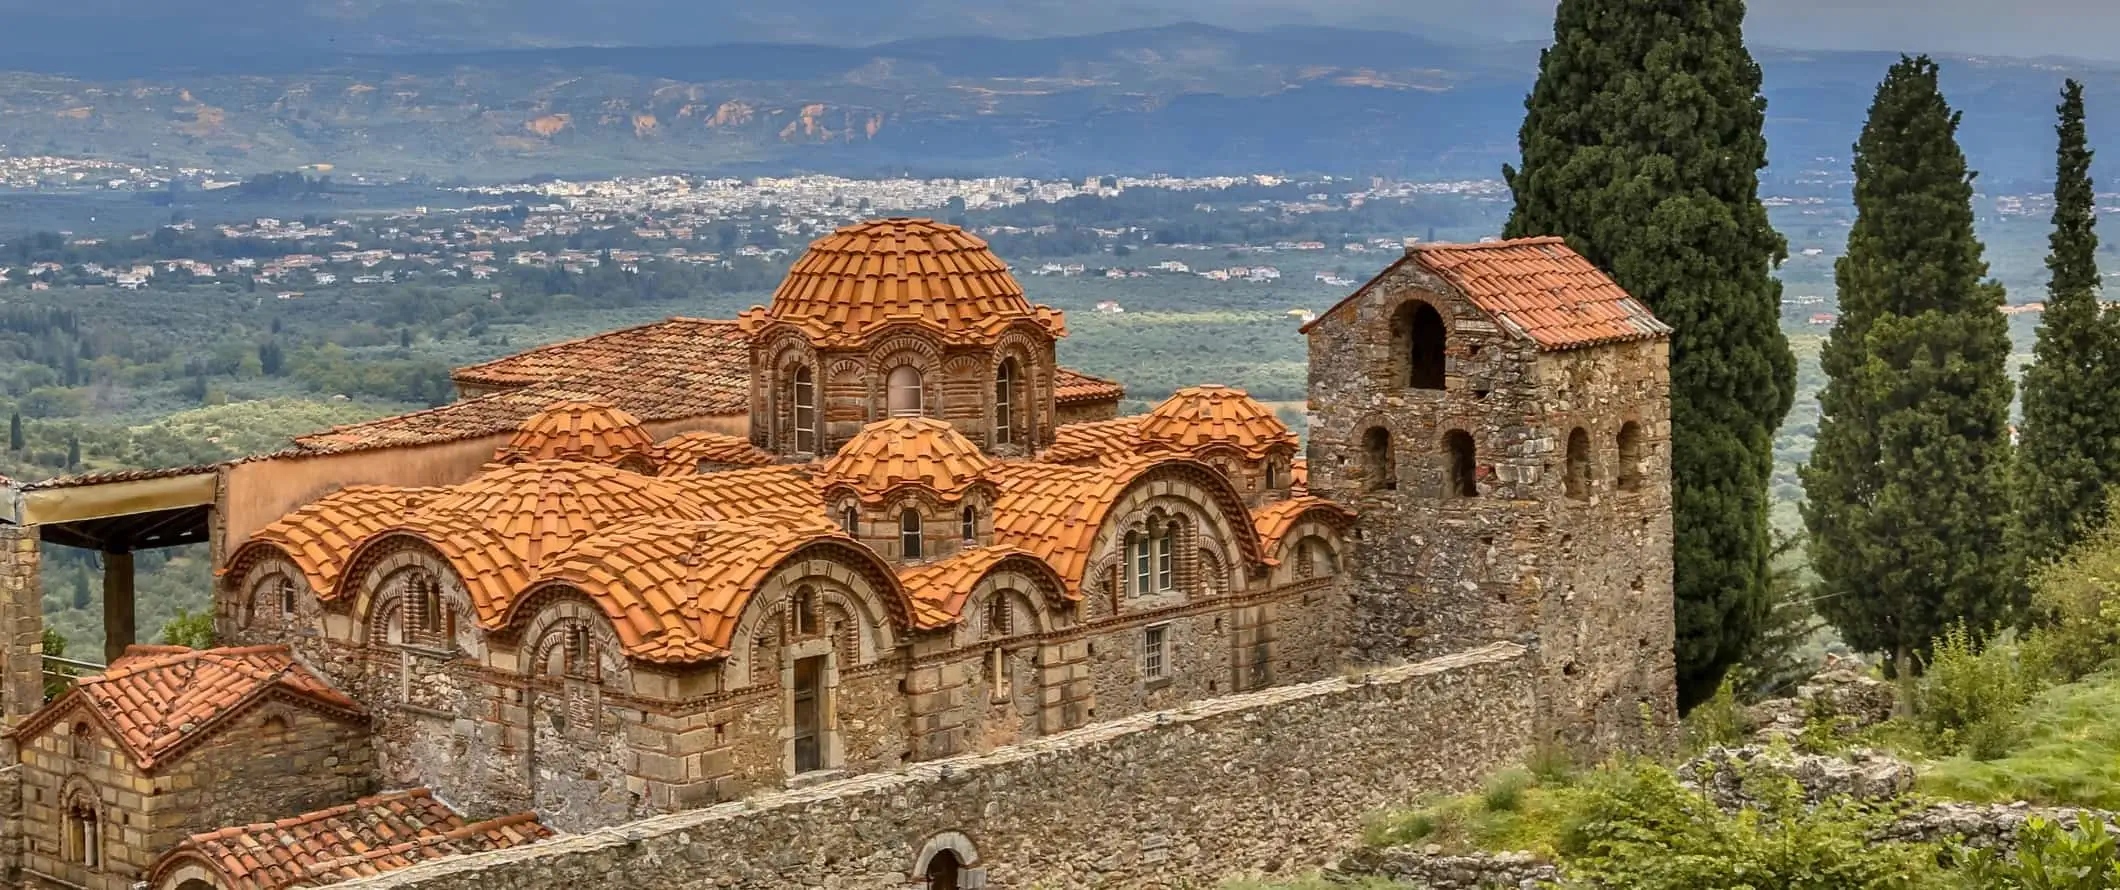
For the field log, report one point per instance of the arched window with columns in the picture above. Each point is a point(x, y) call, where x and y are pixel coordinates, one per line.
point(903, 396)
point(805, 402)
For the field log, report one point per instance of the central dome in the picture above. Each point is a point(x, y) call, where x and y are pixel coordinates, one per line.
point(901, 451)
point(875, 273)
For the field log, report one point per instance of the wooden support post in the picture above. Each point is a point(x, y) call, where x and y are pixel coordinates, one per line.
point(118, 630)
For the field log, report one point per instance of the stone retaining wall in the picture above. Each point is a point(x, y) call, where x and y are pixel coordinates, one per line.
point(1278, 781)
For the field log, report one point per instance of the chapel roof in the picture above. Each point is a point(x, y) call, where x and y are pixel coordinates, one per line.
point(370, 836)
point(1095, 441)
point(906, 451)
point(869, 275)
point(1055, 510)
point(1538, 289)
point(1199, 417)
point(158, 700)
point(579, 431)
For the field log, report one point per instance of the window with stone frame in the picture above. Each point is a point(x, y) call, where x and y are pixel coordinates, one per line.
point(968, 525)
point(1379, 463)
point(81, 744)
point(1461, 470)
point(285, 590)
point(83, 840)
point(1138, 558)
point(1166, 565)
point(1578, 469)
point(1630, 457)
point(850, 521)
point(803, 621)
point(805, 401)
point(428, 620)
point(1155, 652)
point(909, 534)
point(1000, 617)
point(1420, 342)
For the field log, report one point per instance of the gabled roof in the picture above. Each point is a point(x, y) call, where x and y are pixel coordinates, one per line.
point(1072, 387)
point(869, 275)
point(700, 353)
point(1535, 288)
point(370, 836)
point(158, 700)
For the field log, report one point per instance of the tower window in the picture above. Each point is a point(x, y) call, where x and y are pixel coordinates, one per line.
point(850, 521)
point(1578, 474)
point(805, 411)
point(1005, 403)
point(909, 534)
point(1272, 479)
point(970, 522)
point(1630, 457)
point(1419, 336)
point(904, 397)
point(1378, 460)
point(1463, 475)
point(1000, 618)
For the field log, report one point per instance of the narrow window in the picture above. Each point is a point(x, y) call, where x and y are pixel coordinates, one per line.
point(82, 844)
point(805, 611)
point(1379, 462)
point(577, 651)
point(1578, 473)
point(1630, 457)
point(850, 521)
point(997, 676)
point(1141, 566)
point(805, 412)
point(1304, 561)
point(904, 396)
point(1271, 481)
point(83, 744)
point(286, 597)
point(1154, 642)
point(1165, 576)
point(430, 599)
point(970, 530)
point(1463, 475)
point(1005, 403)
point(1000, 618)
point(1418, 332)
point(909, 534)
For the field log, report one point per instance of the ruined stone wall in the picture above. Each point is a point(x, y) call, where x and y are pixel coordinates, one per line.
point(1078, 412)
point(1279, 781)
point(258, 770)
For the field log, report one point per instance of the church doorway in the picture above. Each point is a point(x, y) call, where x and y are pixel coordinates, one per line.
point(944, 871)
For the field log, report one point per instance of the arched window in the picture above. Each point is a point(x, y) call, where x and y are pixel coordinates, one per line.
point(850, 521)
point(1464, 466)
point(1419, 336)
point(944, 872)
point(1000, 617)
point(1166, 572)
point(805, 411)
point(1630, 457)
point(1379, 463)
point(1271, 481)
point(1005, 403)
point(273, 727)
point(83, 846)
point(805, 611)
point(970, 524)
point(909, 534)
point(1137, 549)
point(81, 744)
point(1578, 471)
point(286, 591)
point(903, 397)
point(577, 650)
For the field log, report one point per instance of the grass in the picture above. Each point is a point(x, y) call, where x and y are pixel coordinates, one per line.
point(2068, 754)
point(1515, 810)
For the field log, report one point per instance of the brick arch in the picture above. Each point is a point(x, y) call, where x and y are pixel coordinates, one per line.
point(1221, 508)
point(185, 870)
point(910, 349)
point(788, 353)
point(1027, 580)
point(955, 842)
point(559, 610)
point(264, 564)
point(378, 587)
point(843, 572)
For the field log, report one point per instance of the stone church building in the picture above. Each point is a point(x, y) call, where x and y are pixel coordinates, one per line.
point(871, 524)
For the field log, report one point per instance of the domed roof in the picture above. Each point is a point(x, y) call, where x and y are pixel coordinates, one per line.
point(880, 272)
point(919, 451)
point(539, 509)
point(580, 431)
point(1197, 417)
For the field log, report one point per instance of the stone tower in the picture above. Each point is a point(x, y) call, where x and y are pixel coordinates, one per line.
point(1499, 415)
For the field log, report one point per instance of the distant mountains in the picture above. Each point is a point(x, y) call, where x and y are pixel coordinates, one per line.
point(1184, 98)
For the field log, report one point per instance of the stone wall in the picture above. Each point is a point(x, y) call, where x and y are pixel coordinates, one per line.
point(1278, 781)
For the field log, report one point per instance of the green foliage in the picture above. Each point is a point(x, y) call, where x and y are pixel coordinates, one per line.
point(2070, 432)
point(2076, 607)
point(1719, 721)
point(1642, 144)
point(2050, 856)
point(1912, 453)
point(1638, 828)
point(1786, 650)
point(2067, 752)
point(1973, 693)
point(1517, 809)
point(187, 629)
point(1504, 791)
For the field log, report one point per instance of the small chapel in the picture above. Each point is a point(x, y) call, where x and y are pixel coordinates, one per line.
point(870, 524)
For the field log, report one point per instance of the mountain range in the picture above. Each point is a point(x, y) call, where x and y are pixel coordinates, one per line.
point(1187, 98)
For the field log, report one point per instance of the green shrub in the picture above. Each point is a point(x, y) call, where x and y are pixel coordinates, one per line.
point(1504, 792)
point(2067, 753)
point(2076, 606)
point(2049, 857)
point(1971, 695)
point(1719, 721)
point(187, 629)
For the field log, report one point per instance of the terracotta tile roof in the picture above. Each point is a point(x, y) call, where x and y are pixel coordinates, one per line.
point(1274, 520)
point(919, 451)
point(1199, 417)
point(734, 494)
point(1054, 511)
point(109, 476)
point(1299, 475)
point(1536, 288)
point(868, 275)
point(1095, 440)
point(322, 535)
point(582, 431)
point(937, 590)
point(669, 370)
point(682, 454)
point(367, 837)
point(157, 700)
point(1072, 387)
point(674, 590)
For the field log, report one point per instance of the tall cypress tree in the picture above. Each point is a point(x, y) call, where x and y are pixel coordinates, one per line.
point(1913, 444)
point(1642, 145)
point(2070, 437)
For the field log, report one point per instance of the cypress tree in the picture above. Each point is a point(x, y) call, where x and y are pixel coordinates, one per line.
point(1642, 145)
point(2070, 434)
point(14, 432)
point(1913, 448)
point(73, 451)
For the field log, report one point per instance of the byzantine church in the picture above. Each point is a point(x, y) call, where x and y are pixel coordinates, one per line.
point(871, 524)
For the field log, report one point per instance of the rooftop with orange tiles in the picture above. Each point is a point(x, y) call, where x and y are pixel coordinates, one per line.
point(368, 837)
point(906, 451)
point(682, 454)
point(1200, 417)
point(577, 430)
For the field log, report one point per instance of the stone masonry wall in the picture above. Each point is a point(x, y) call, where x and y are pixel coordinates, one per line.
point(1277, 781)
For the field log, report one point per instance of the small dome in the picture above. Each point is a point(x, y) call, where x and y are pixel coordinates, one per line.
point(580, 431)
point(539, 509)
point(1201, 416)
point(919, 451)
point(870, 274)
